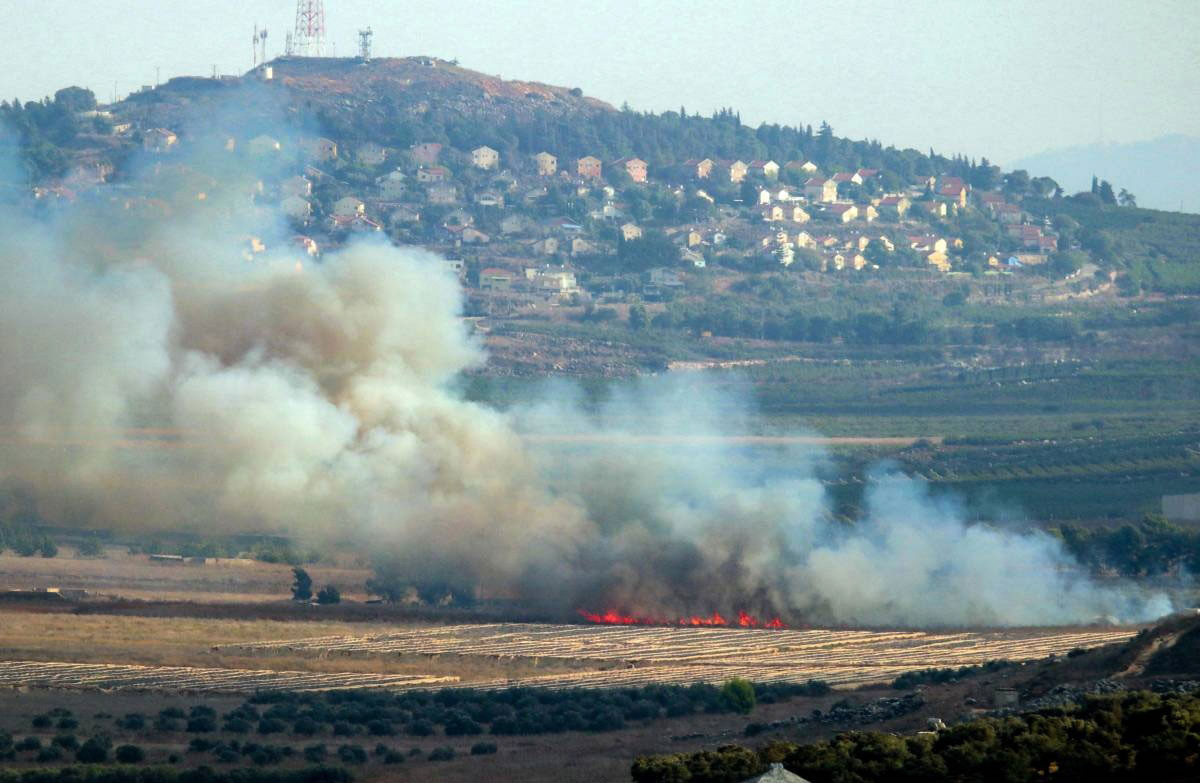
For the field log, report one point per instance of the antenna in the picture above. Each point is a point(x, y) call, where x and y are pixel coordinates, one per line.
point(288, 48)
point(364, 45)
point(309, 39)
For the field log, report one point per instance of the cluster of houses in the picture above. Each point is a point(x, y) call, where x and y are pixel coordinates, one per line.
point(497, 212)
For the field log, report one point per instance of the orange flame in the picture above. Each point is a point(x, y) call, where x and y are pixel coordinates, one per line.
point(616, 617)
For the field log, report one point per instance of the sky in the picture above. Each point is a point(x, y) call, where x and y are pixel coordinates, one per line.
point(1001, 80)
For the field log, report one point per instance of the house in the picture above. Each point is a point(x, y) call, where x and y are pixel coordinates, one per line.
point(306, 245)
point(348, 207)
point(489, 198)
point(634, 167)
point(455, 266)
point(894, 206)
point(442, 193)
point(371, 154)
point(630, 231)
point(458, 217)
point(589, 167)
point(295, 208)
point(664, 277)
point(546, 247)
point(953, 193)
point(263, 145)
point(319, 149)
point(295, 186)
point(485, 158)
point(404, 215)
point(925, 181)
point(535, 194)
point(773, 213)
point(391, 185)
point(820, 190)
point(842, 212)
point(800, 167)
point(796, 214)
point(514, 224)
point(433, 174)
point(693, 257)
point(764, 197)
point(495, 279)
point(866, 174)
point(556, 281)
point(581, 246)
point(353, 223)
point(735, 170)
point(697, 169)
point(868, 212)
point(939, 260)
point(805, 240)
point(781, 194)
point(159, 140)
point(1006, 213)
point(855, 261)
point(932, 208)
point(473, 236)
point(426, 153)
point(843, 176)
point(547, 164)
point(768, 169)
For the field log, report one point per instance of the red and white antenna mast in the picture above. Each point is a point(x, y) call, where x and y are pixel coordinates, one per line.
point(309, 39)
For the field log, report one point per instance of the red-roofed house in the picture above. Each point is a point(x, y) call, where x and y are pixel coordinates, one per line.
point(768, 169)
point(894, 206)
point(697, 169)
point(634, 167)
point(843, 213)
point(496, 279)
point(953, 193)
point(843, 176)
point(819, 189)
point(589, 167)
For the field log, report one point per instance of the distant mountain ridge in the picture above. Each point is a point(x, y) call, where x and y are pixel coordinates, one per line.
point(1163, 173)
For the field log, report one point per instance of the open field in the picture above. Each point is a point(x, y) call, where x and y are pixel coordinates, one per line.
point(187, 654)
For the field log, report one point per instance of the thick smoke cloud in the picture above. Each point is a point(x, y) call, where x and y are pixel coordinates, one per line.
point(278, 393)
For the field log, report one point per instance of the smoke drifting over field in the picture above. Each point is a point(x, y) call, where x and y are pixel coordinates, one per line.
point(317, 398)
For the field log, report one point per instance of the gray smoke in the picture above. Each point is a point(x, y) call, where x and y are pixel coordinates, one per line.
point(156, 376)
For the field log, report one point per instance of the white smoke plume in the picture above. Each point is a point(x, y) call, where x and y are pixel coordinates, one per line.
point(282, 394)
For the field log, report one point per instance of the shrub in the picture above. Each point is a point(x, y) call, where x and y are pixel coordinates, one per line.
point(90, 547)
point(42, 721)
point(315, 753)
point(441, 754)
point(201, 745)
point(67, 723)
point(380, 728)
point(237, 726)
point(738, 695)
point(65, 741)
point(420, 728)
point(52, 753)
point(483, 748)
point(48, 548)
point(172, 712)
point(271, 726)
point(226, 755)
point(306, 726)
point(329, 595)
point(393, 757)
point(94, 751)
point(352, 754)
point(201, 724)
point(343, 729)
point(29, 743)
point(459, 723)
point(133, 721)
point(129, 754)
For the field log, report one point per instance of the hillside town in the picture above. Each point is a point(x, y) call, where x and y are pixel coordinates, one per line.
point(563, 227)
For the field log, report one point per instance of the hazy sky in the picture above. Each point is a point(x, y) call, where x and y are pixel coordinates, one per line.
point(986, 78)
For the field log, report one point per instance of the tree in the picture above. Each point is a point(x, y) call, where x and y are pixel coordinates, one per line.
point(1126, 199)
point(329, 595)
point(129, 754)
point(1106, 192)
point(637, 317)
point(738, 695)
point(302, 586)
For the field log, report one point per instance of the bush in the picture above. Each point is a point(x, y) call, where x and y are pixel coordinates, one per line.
point(271, 726)
point(225, 754)
point(380, 728)
point(201, 745)
point(133, 721)
point(306, 726)
point(315, 753)
point(420, 728)
point(48, 548)
point(237, 726)
point(90, 547)
point(29, 743)
point(343, 729)
point(329, 595)
point(129, 754)
point(42, 721)
point(738, 695)
point(393, 757)
point(67, 723)
point(52, 753)
point(483, 748)
point(352, 754)
point(201, 724)
point(94, 751)
point(65, 741)
point(441, 754)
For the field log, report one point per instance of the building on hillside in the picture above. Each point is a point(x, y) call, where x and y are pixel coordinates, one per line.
point(391, 186)
point(867, 212)
point(772, 213)
point(842, 213)
point(489, 198)
point(495, 279)
point(894, 206)
point(306, 245)
point(425, 153)
point(630, 231)
point(796, 214)
point(559, 282)
point(349, 206)
point(547, 164)
point(866, 174)
point(433, 174)
point(697, 168)
point(295, 208)
point(263, 145)
point(404, 215)
point(843, 177)
point(473, 236)
point(767, 169)
point(442, 193)
point(634, 167)
point(819, 190)
point(954, 194)
point(159, 140)
point(485, 158)
point(513, 224)
point(733, 170)
point(589, 167)
point(800, 167)
point(937, 209)
point(319, 149)
point(295, 186)
point(370, 154)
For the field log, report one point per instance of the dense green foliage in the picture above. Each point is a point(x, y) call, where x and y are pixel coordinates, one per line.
point(1135, 736)
point(912, 679)
point(97, 774)
point(1149, 548)
point(464, 712)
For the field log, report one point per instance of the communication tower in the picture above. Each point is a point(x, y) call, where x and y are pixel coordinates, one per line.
point(309, 38)
point(258, 47)
point(364, 45)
